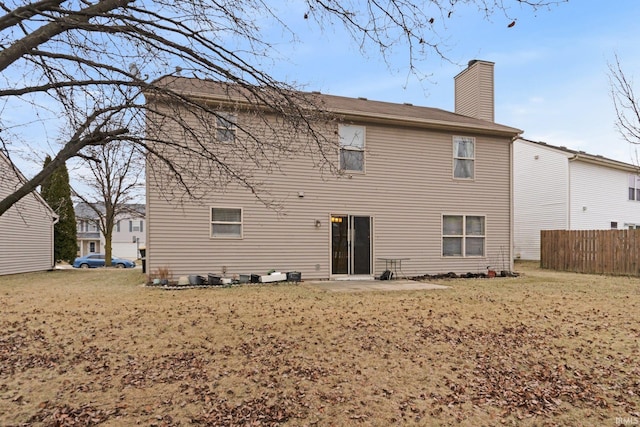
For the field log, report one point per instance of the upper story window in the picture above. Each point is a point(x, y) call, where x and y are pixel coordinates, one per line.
point(351, 147)
point(463, 235)
point(464, 155)
point(84, 225)
point(226, 222)
point(226, 127)
point(634, 187)
point(136, 226)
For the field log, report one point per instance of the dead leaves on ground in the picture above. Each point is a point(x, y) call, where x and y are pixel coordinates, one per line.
point(67, 416)
point(356, 366)
point(509, 372)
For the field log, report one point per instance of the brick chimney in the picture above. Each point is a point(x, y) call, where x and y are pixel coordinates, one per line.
point(474, 90)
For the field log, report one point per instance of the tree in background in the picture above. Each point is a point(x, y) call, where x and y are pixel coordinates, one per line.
point(112, 184)
point(626, 104)
point(87, 67)
point(57, 193)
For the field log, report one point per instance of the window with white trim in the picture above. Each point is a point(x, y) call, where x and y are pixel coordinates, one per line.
point(351, 147)
point(463, 235)
point(464, 156)
point(226, 222)
point(135, 226)
point(634, 187)
point(226, 127)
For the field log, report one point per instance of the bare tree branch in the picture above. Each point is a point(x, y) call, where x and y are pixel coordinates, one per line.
point(19, 14)
point(626, 105)
point(113, 183)
point(99, 72)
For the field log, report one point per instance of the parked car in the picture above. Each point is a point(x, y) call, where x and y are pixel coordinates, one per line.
point(97, 260)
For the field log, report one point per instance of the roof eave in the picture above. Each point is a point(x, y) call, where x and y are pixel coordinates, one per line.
point(23, 180)
point(430, 123)
point(489, 129)
point(603, 161)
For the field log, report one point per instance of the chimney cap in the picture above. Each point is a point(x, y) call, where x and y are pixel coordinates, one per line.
point(473, 61)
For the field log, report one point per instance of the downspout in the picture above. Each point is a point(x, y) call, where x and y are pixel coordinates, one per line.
point(570, 159)
point(147, 222)
point(511, 207)
point(56, 219)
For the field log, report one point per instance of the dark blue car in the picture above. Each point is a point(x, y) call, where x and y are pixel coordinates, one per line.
point(97, 260)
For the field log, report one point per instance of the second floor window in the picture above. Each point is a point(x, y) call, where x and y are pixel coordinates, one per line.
point(226, 127)
point(351, 147)
point(634, 187)
point(464, 156)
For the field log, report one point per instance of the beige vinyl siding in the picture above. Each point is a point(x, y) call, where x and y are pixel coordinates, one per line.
point(475, 91)
point(407, 186)
point(26, 230)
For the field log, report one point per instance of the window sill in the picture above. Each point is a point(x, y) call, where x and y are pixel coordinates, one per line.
point(464, 257)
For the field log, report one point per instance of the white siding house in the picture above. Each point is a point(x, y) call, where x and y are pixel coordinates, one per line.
point(556, 188)
point(26, 230)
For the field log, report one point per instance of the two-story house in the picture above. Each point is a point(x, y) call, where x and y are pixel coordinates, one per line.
point(26, 229)
point(128, 233)
point(426, 186)
point(557, 188)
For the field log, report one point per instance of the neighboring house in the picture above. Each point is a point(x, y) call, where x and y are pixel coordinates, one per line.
point(556, 188)
point(420, 184)
point(26, 229)
point(128, 233)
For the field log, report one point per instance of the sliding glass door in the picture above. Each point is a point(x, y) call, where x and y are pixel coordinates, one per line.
point(350, 245)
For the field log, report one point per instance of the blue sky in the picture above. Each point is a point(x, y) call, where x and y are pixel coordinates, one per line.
point(551, 69)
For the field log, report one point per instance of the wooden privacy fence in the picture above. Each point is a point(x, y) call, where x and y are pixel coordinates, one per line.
point(615, 252)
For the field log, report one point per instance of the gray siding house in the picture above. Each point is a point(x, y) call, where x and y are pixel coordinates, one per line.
point(128, 233)
point(422, 185)
point(26, 230)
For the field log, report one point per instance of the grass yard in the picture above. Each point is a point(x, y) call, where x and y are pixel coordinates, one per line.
point(96, 347)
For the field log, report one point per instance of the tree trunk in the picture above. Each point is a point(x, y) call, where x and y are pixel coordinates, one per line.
point(108, 234)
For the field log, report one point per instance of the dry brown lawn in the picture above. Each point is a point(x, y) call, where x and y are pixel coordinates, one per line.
point(97, 347)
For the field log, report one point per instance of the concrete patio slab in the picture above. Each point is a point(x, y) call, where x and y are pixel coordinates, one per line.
point(373, 285)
